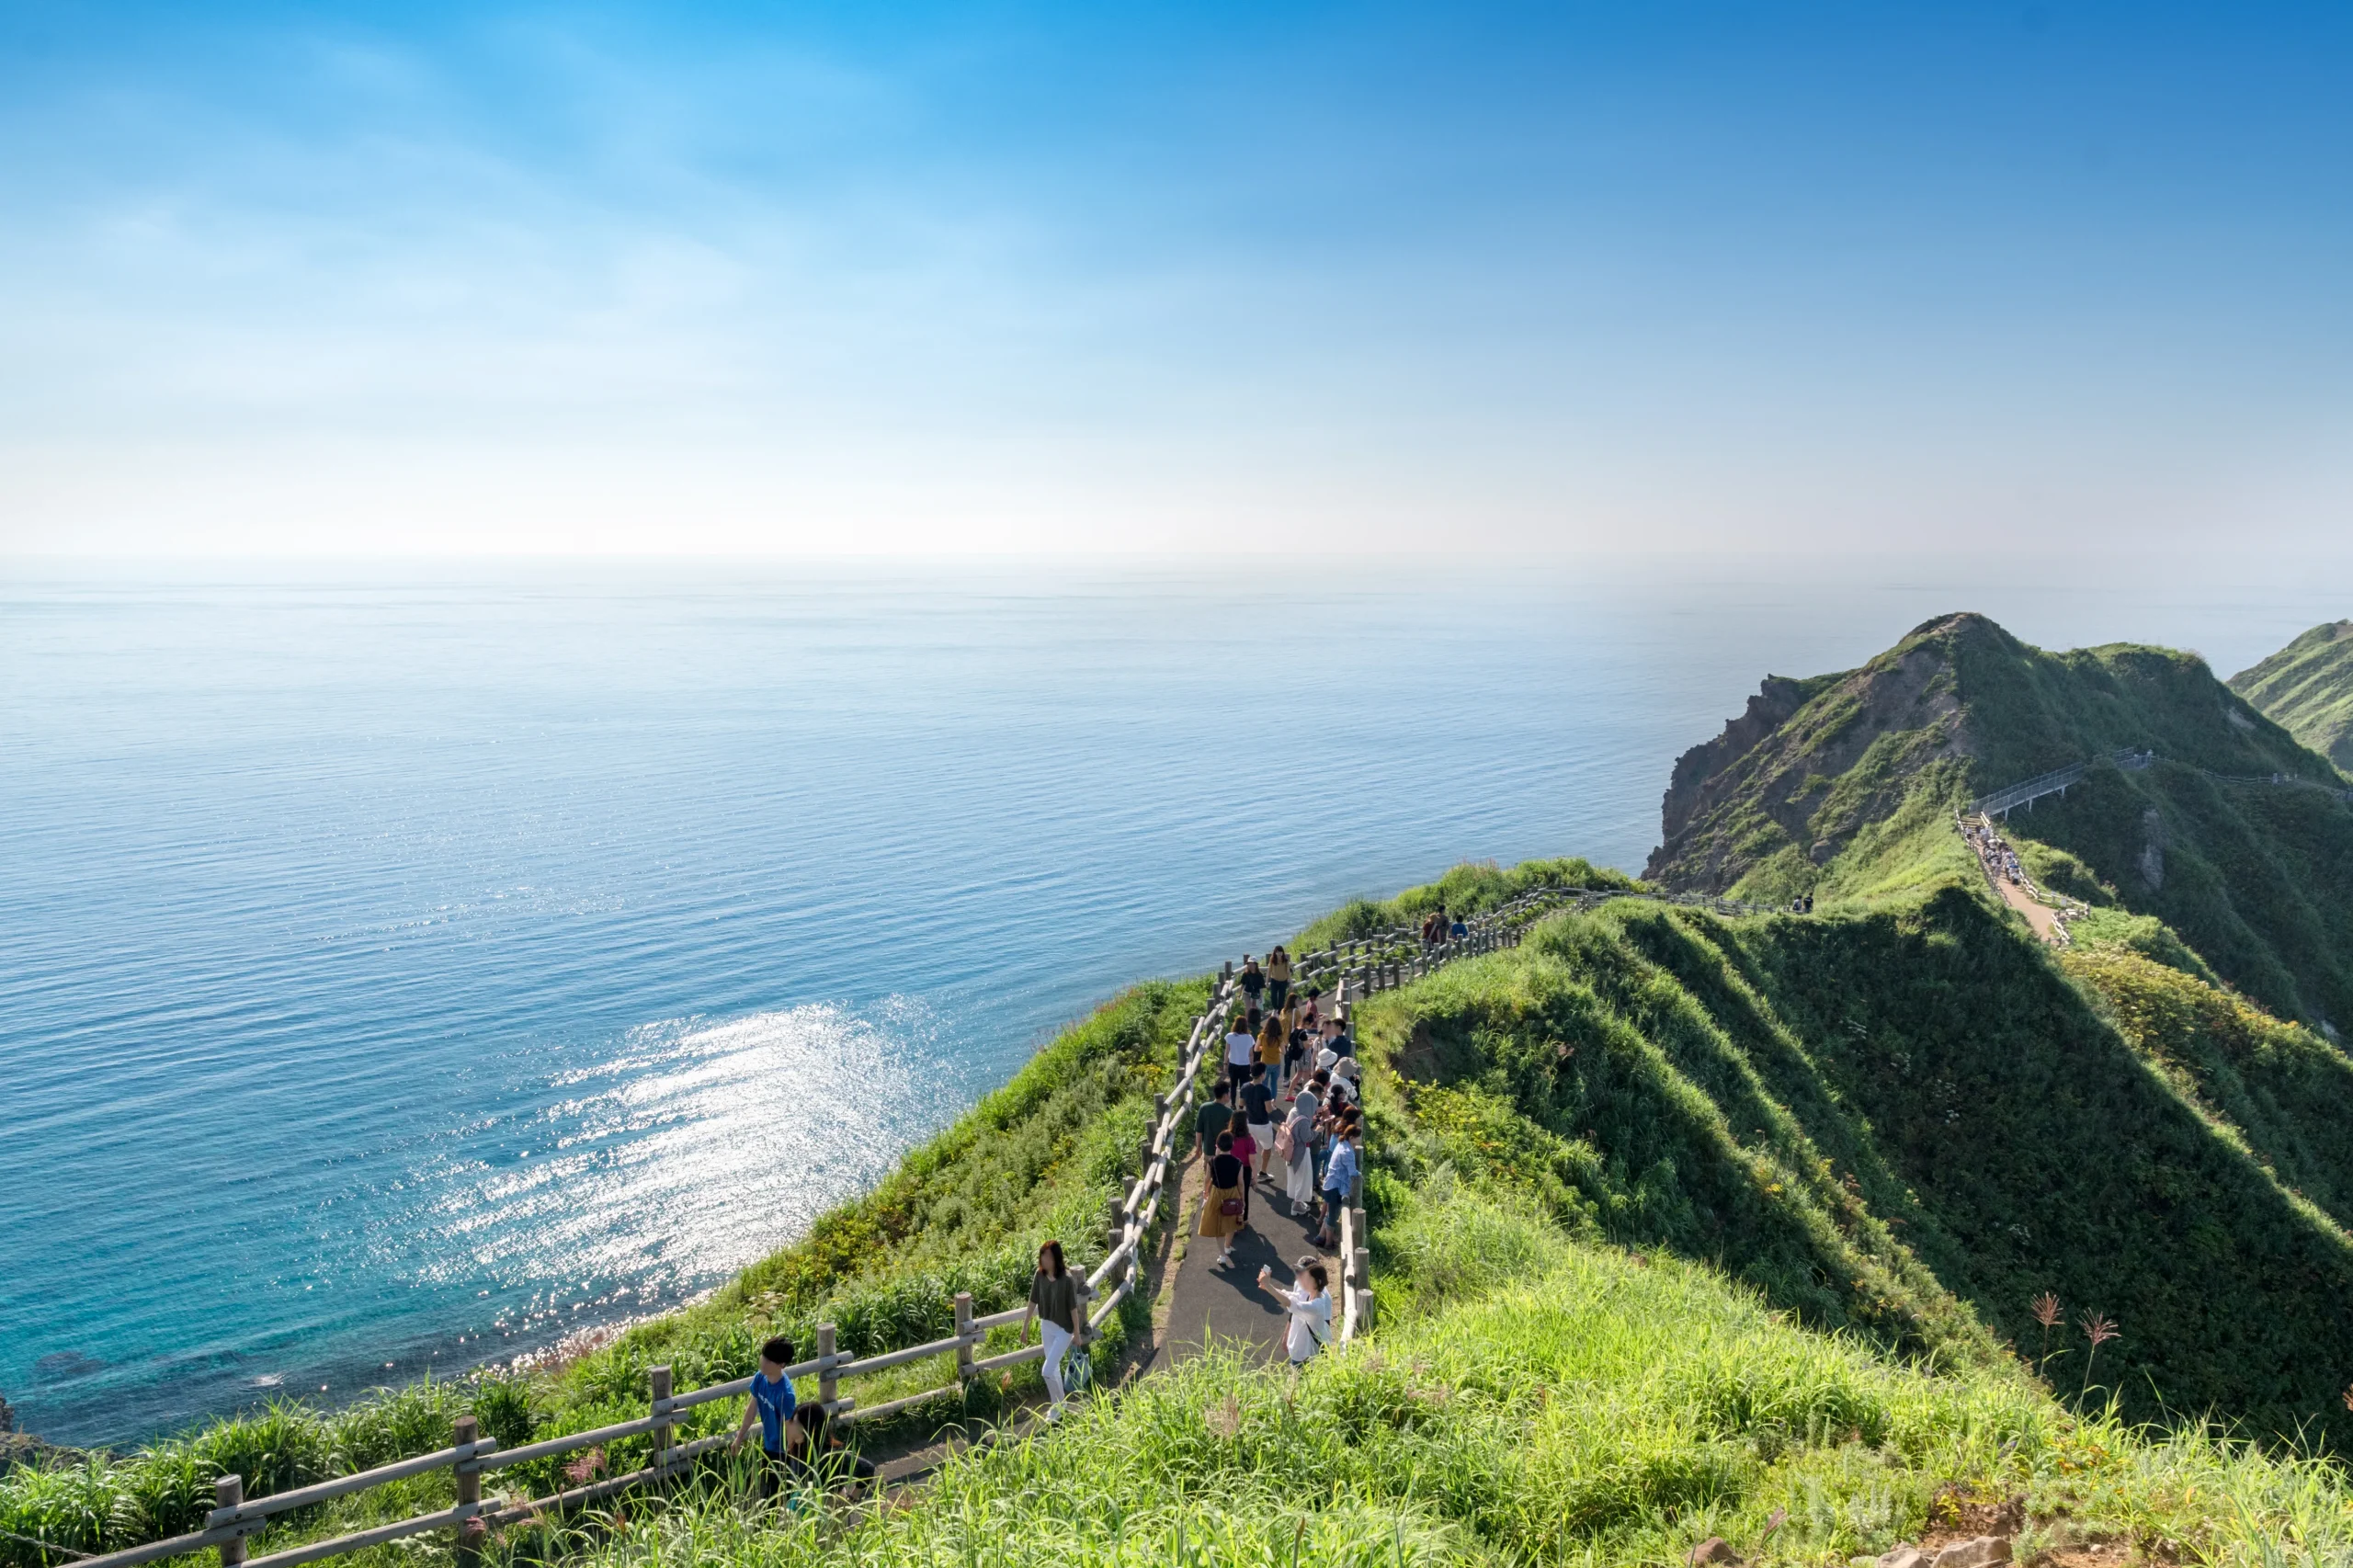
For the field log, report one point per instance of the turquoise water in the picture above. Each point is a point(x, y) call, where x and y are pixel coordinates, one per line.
point(405, 967)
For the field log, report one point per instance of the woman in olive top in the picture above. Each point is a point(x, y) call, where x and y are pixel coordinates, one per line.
point(1278, 977)
point(1055, 1297)
point(1222, 1200)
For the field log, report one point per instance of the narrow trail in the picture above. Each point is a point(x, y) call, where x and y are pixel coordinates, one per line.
point(1213, 1304)
point(2008, 877)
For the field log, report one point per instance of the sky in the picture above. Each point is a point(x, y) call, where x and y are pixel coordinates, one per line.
point(1672, 277)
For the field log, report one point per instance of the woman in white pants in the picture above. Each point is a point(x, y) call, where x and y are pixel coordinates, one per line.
point(1056, 1298)
point(1309, 1305)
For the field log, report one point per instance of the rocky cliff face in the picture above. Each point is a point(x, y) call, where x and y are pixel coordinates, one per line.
point(1845, 783)
point(1811, 762)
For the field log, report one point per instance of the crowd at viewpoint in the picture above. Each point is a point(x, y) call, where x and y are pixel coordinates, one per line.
point(1283, 1125)
point(1994, 851)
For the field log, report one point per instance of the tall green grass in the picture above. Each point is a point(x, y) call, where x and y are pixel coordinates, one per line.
point(1908, 1124)
point(1540, 1401)
point(1473, 888)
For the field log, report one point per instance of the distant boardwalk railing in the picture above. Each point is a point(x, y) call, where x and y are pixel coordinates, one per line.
point(2003, 801)
point(1351, 971)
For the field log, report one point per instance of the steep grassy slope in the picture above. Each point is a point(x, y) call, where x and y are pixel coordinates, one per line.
point(1779, 1095)
point(1532, 1399)
point(1909, 1123)
point(2308, 688)
point(1845, 786)
point(1044, 1155)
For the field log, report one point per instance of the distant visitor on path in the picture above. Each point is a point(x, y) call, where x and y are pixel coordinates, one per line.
point(1222, 1200)
point(1055, 1295)
point(1278, 977)
point(1241, 1053)
point(1214, 1118)
point(1253, 981)
point(771, 1399)
point(1298, 1149)
point(1258, 1114)
point(1339, 1179)
point(1246, 1148)
point(1309, 1305)
point(825, 1459)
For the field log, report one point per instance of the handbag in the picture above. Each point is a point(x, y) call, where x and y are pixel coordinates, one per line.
point(1231, 1208)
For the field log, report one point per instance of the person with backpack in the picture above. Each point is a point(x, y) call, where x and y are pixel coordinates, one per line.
point(1057, 1297)
point(1246, 1148)
point(1308, 1302)
point(1221, 1207)
point(1294, 1061)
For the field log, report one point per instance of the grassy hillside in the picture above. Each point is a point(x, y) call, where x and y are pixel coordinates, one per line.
point(1538, 1399)
point(1684, 1228)
point(1843, 786)
point(1044, 1155)
point(1907, 1124)
point(2308, 688)
point(1471, 889)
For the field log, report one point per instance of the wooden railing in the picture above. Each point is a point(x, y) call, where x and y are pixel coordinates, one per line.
point(1352, 971)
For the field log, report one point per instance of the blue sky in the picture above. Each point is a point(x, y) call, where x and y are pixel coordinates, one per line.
point(908, 280)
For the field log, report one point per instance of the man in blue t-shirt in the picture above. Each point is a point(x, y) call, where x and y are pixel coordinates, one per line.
point(772, 1399)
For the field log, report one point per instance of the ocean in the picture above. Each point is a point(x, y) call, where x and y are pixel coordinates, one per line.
point(403, 966)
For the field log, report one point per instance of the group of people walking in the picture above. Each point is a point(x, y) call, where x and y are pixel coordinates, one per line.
point(1286, 1115)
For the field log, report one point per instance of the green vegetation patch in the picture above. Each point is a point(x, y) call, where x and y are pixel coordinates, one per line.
point(1470, 889)
point(2308, 686)
point(1907, 1124)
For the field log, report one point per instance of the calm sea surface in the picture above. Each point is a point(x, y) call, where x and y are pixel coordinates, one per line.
point(402, 967)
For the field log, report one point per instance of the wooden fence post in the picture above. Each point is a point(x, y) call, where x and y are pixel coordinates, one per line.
point(829, 1384)
point(657, 1381)
point(465, 1430)
point(227, 1493)
point(964, 1336)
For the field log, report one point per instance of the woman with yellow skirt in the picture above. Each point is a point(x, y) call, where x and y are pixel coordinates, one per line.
point(1221, 1204)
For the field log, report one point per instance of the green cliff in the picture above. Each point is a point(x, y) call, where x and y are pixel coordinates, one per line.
point(1845, 786)
point(2307, 687)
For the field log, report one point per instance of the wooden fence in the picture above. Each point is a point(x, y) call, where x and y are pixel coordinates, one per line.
point(1349, 972)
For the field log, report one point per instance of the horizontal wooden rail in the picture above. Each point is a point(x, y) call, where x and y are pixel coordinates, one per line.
point(254, 1510)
